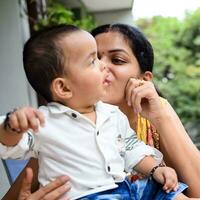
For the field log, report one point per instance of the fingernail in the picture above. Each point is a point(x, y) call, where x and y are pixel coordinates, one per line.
point(64, 178)
point(35, 130)
point(67, 186)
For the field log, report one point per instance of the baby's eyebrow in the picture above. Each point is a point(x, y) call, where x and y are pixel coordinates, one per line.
point(91, 54)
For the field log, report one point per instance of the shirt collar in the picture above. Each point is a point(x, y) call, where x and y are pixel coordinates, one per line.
point(105, 108)
point(57, 108)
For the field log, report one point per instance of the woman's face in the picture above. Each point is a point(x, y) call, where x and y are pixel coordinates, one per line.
point(115, 52)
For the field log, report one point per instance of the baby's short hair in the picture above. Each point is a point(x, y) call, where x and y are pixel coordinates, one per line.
point(43, 58)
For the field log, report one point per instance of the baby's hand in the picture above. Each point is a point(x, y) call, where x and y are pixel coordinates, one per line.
point(25, 118)
point(168, 177)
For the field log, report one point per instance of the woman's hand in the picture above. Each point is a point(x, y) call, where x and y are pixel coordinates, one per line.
point(143, 98)
point(52, 191)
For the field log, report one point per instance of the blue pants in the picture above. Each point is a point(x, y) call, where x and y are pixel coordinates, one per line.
point(146, 189)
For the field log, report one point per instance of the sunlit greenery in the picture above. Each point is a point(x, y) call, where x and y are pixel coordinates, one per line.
point(58, 13)
point(177, 63)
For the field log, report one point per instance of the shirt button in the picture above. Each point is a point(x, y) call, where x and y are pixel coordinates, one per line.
point(74, 115)
point(108, 168)
point(97, 132)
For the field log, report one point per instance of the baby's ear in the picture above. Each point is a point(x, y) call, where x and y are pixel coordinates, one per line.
point(60, 89)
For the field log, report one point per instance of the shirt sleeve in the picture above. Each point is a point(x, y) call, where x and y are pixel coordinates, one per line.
point(135, 149)
point(25, 148)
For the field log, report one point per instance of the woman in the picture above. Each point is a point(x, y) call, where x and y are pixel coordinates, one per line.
point(129, 57)
point(128, 54)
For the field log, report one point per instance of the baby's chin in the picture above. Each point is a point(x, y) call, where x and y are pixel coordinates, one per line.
point(112, 99)
point(106, 98)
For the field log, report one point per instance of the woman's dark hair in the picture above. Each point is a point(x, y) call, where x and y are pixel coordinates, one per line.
point(139, 44)
point(43, 58)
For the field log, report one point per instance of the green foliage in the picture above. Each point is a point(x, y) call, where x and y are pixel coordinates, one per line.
point(57, 13)
point(177, 62)
point(190, 37)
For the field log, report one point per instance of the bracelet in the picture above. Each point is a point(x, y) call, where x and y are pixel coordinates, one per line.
point(7, 124)
point(154, 169)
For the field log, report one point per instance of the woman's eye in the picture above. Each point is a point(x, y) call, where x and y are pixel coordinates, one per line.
point(118, 61)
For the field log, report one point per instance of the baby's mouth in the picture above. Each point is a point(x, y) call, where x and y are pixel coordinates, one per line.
point(107, 80)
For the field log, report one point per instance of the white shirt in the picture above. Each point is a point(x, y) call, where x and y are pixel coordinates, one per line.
point(95, 156)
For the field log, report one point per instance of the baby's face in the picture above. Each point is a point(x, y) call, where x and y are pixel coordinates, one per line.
point(86, 74)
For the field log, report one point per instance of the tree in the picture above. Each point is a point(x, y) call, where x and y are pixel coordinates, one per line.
point(54, 13)
point(177, 63)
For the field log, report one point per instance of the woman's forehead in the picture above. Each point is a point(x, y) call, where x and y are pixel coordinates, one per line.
point(112, 40)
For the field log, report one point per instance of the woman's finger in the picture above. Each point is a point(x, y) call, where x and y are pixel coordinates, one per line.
point(136, 100)
point(131, 85)
point(25, 191)
point(53, 195)
point(138, 95)
point(53, 190)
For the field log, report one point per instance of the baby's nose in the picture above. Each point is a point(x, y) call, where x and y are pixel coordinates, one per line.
point(103, 66)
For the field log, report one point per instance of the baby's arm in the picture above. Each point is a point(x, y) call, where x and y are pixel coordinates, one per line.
point(162, 174)
point(145, 159)
point(17, 123)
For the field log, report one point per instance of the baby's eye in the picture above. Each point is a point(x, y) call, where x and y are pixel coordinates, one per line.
point(93, 61)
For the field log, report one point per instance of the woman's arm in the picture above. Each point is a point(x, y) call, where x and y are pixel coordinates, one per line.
point(178, 149)
point(27, 182)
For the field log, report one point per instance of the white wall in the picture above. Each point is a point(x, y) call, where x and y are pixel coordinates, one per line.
point(14, 89)
point(116, 16)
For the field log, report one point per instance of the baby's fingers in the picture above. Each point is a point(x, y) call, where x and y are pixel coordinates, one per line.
point(34, 124)
point(22, 120)
point(13, 122)
point(26, 118)
point(170, 184)
point(176, 187)
point(40, 117)
point(35, 119)
point(170, 188)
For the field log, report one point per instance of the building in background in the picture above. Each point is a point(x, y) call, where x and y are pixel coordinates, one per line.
point(105, 11)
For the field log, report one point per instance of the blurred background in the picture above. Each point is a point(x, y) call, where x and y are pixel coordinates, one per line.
point(172, 26)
